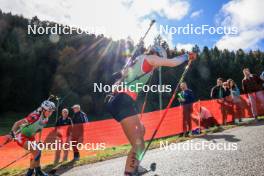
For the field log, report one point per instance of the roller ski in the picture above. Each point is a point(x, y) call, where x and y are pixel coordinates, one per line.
point(142, 171)
point(37, 172)
point(53, 172)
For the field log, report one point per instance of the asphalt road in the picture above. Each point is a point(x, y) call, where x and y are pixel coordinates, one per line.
point(237, 151)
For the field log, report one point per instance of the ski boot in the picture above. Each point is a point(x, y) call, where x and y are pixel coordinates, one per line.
point(139, 171)
point(30, 172)
point(39, 172)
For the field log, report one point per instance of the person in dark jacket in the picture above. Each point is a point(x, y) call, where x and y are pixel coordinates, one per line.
point(186, 98)
point(226, 103)
point(226, 91)
point(262, 78)
point(64, 120)
point(79, 118)
point(218, 90)
point(186, 95)
point(252, 85)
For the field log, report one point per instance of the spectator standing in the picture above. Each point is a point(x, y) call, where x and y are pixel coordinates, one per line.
point(186, 94)
point(226, 102)
point(262, 78)
point(218, 91)
point(79, 118)
point(236, 99)
point(186, 98)
point(226, 90)
point(252, 86)
point(64, 120)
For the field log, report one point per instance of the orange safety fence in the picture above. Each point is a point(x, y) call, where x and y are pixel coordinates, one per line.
point(108, 133)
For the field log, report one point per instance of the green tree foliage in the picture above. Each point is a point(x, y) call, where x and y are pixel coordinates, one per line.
point(33, 66)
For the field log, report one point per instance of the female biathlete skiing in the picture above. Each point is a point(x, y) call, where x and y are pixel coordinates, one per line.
point(124, 109)
point(24, 131)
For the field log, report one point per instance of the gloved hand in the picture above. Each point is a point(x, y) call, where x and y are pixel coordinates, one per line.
point(192, 56)
point(12, 134)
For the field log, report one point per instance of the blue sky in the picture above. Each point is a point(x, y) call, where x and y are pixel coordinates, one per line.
point(209, 13)
point(207, 16)
point(122, 18)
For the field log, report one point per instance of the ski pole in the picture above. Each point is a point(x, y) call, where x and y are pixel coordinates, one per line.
point(166, 111)
point(15, 161)
point(138, 46)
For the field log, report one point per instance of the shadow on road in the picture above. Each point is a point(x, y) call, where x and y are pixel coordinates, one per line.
point(258, 123)
point(60, 169)
point(226, 137)
point(229, 137)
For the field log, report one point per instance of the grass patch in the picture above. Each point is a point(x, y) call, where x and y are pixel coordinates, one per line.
point(119, 151)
